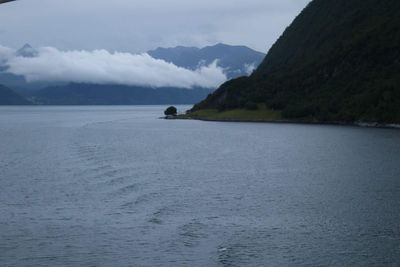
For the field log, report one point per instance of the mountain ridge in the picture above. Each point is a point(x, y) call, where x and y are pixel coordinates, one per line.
point(237, 60)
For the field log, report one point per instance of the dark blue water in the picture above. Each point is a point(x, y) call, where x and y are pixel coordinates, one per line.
point(115, 186)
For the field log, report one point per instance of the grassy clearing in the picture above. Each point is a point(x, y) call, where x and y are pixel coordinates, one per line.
point(262, 114)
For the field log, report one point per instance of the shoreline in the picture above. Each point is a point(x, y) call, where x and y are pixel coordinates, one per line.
point(283, 121)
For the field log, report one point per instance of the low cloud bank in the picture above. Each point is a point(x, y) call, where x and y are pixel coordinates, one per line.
point(250, 68)
point(103, 67)
point(5, 54)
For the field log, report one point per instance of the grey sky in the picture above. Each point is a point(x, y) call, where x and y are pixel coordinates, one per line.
point(140, 25)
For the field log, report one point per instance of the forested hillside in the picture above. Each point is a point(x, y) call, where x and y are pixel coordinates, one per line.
point(338, 61)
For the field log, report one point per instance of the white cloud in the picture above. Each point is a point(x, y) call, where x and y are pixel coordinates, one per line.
point(5, 54)
point(103, 67)
point(250, 68)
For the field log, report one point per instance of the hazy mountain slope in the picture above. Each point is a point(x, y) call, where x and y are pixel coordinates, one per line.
point(338, 61)
point(9, 97)
point(237, 60)
point(92, 94)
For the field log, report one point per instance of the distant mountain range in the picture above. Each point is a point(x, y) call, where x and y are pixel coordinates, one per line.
point(339, 61)
point(18, 82)
point(235, 60)
point(94, 94)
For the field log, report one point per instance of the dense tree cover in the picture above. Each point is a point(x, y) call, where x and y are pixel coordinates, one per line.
point(171, 111)
point(338, 61)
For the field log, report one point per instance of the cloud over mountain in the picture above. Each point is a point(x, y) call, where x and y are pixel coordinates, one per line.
point(5, 53)
point(103, 67)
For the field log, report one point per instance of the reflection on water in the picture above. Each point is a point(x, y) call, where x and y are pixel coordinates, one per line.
point(115, 186)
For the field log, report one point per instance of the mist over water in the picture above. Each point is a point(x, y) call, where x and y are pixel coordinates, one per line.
point(116, 186)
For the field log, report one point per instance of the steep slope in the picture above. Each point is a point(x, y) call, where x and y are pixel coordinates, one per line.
point(236, 60)
point(93, 94)
point(9, 97)
point(338, 61)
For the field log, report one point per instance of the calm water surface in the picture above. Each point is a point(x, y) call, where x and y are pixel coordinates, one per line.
point(115, 186)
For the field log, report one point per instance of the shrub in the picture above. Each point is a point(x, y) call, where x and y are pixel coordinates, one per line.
point(171, 111)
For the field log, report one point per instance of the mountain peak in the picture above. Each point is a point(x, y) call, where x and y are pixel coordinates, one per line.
point(26, 51)
point(221, 45)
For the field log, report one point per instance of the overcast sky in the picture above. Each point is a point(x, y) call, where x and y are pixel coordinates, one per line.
point(141, 25)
